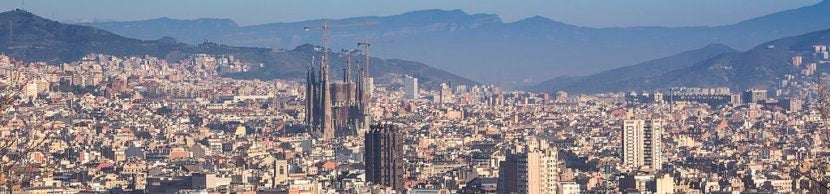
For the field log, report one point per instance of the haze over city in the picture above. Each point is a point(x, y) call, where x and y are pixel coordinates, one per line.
point(592, 13)
point(419, 97)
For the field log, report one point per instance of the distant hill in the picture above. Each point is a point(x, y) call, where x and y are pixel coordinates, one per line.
point(29, 37)
point(292, 64)
point(485, 48)
point(712, 66)
point(759, 67)
point(631, 77)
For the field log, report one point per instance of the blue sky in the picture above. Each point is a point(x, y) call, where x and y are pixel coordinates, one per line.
point(595, 13)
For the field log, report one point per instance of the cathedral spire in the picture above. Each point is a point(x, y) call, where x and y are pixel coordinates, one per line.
point(347, 71)
point(326, 125)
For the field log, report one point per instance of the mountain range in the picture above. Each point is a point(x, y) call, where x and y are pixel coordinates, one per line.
point(28, 37)
point(712, 66)
point(485, 48)
point(631, 77)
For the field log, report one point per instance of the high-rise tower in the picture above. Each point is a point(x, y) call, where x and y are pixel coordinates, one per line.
point(533, 168)
point(410, 86)
point(383, 156)
point(642, 144)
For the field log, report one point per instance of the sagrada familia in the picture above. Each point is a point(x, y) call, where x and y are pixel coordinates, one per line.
point(339, 108)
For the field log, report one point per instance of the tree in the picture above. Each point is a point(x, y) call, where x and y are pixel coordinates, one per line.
point(20, 141)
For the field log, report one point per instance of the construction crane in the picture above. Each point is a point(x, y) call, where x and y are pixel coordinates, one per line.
point(326, 29)
point(365, 44)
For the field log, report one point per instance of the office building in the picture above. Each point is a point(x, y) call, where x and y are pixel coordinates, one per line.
point(383, 156)
point(791, 104)
point(410, 87)
point(754, 96)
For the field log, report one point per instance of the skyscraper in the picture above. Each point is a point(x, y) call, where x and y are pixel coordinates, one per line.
point(531, 169)
point(383, 156)
point(410, 87)
point(642, 144)
point(445, 94)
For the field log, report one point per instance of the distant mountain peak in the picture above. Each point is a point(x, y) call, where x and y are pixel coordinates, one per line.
point(539, 18)
point(823, 4)
point(167, 40)
point(631, 77)
point(540, 21)
point(16, 10)
point(212, 21)
point(481, 45)
point(448, 15)
point(305, 48)
point(19, 13)
point(437, 12)
point(39, 39)
point(717, 46)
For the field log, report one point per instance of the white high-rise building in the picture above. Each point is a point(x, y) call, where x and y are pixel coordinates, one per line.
point(641, 144)
point(532, 169)
point(410, 87)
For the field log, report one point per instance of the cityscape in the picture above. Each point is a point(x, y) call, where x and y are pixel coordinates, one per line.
point(100, 107)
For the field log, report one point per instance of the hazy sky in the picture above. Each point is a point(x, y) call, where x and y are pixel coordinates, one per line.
point(596, 13)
